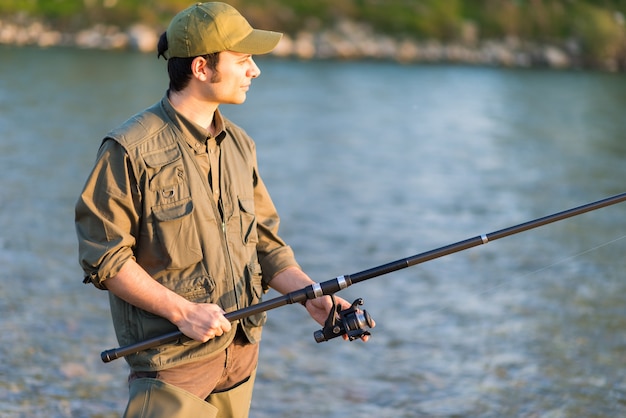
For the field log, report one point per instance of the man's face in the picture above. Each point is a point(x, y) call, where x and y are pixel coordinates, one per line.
point(231, 80)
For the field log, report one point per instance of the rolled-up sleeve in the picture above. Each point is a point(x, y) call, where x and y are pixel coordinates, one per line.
point(107, 215)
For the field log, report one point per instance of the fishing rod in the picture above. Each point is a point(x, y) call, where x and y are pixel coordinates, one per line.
point(353, 321)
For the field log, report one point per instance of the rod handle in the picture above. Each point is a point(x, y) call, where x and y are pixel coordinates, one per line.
point(115, 353)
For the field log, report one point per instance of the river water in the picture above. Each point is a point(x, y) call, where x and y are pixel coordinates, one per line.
point(368, 163)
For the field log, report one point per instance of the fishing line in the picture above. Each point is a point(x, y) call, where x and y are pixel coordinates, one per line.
point(558, 262)
point(504, 282)
point(488, 350)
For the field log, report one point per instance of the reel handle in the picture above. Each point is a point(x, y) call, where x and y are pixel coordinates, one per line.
point(353, 322)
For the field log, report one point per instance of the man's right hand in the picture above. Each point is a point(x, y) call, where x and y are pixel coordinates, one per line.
point(203, 321)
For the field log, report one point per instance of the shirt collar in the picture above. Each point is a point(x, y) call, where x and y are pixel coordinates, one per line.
point(195, 135)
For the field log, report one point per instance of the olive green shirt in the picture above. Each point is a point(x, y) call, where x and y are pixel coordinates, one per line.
point(201, 224)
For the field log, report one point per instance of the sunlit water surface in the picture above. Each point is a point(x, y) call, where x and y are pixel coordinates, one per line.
point(367, 163)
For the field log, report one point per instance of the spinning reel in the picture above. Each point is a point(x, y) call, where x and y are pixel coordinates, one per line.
point(352, 321)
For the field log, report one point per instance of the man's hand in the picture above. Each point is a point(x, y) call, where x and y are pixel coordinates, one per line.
point(293, 279)
point(203, 321)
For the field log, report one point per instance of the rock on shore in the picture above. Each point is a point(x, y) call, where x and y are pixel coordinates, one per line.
point(347, 40)
point(138, 37)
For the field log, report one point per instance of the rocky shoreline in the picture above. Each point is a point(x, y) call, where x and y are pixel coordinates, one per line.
point(347, 40)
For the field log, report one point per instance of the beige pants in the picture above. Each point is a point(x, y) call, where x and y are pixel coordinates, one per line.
point(218, 387)
point(153, 398)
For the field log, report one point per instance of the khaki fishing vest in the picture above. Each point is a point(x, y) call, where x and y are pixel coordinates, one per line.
point(184, 243)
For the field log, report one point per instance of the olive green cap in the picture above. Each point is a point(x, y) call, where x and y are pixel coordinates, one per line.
point(205, 28)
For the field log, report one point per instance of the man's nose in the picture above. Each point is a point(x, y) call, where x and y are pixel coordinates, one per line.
point(254, 70)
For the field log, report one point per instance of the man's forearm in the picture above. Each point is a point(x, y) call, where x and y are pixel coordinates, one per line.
point(200, 321)
point(289, 280)
point(134, 285)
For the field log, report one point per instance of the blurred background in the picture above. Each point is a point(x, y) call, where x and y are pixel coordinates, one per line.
point(553, 33)
point(384, 129)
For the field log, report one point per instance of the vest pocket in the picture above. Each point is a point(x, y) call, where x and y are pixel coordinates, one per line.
point(150, 325)
point(199, 289)
point(254, 289)
point(175, 230)
point(248, 221)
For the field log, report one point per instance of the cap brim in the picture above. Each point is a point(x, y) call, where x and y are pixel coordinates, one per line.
point(257, 42)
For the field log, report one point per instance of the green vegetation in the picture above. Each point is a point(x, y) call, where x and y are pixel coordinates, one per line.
point(597, 26)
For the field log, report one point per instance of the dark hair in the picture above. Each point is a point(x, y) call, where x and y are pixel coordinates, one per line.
point(179, 69)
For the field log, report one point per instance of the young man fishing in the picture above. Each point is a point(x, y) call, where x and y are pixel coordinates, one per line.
point(176, 223)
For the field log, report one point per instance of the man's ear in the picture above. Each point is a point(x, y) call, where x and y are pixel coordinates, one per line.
point(200, 69)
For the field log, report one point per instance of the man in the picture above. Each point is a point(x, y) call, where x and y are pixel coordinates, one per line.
point(176, 223)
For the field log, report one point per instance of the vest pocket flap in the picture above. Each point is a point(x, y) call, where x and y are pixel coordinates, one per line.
point(248, 221)
point(162, 157)
point(199, 289)
point(246, 205)
point(167, 180)
point(172, 211)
